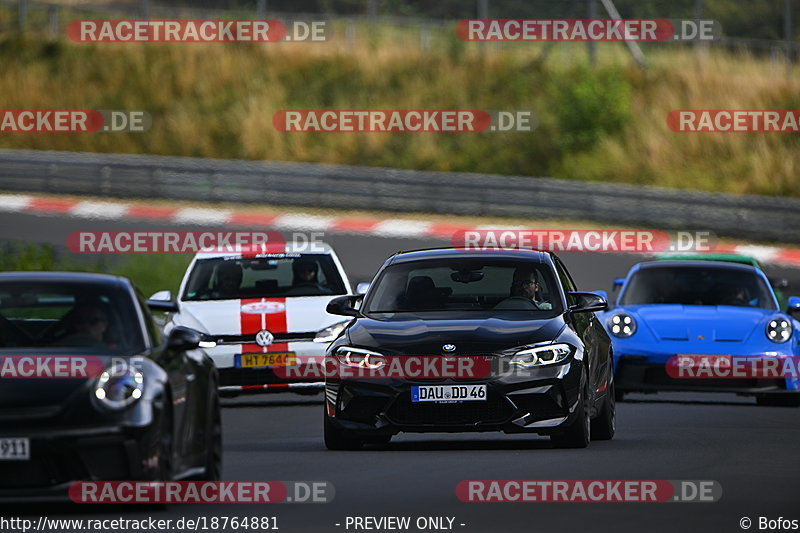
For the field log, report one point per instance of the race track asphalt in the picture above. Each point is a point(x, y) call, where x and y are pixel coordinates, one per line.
point(751, 451)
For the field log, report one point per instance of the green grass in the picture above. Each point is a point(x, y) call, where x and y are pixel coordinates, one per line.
point(150, 272)
point(598, 124)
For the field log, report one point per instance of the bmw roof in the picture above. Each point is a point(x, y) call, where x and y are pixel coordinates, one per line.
point(461, 253)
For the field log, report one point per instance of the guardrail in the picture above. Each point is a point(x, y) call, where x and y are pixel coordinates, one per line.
point(350, 187)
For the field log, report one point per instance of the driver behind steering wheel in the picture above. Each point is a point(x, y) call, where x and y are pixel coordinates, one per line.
point(523, 292)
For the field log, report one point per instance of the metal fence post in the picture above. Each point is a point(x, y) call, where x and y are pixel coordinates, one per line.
point(261, 9)
point(592, 14)
point(52, 12)
point(144, 9)
point(424, 38)
point(350, 34)
point(22, 14)
point(788, 33)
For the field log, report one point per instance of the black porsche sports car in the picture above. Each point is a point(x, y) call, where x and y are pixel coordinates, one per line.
point(89, 389)
point(517, 311)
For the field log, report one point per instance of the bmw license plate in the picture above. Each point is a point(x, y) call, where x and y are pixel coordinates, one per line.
point(448, 393)
point(15, 449)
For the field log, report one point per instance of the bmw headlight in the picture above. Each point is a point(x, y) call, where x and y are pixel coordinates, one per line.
point(548, 354)
point(359, 358)
point(779, 329)
point(330, 333)
point(622, 325)
point(116, 389)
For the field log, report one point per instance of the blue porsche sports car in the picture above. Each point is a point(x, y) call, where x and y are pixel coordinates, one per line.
point(670, 311)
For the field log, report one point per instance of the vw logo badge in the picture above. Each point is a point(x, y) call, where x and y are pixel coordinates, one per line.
point(264, 338)
point(449, 348)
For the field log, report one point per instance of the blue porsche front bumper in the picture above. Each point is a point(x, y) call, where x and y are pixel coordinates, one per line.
point(646, 371)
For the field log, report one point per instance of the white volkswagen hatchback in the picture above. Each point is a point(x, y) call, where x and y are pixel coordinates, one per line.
point(263, 311)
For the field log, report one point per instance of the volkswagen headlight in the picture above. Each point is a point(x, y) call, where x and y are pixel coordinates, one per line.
point(116, 388)
point(330, 333)
point(548, 354)
point(622, 325)
point(779, 329)
point(359, 358)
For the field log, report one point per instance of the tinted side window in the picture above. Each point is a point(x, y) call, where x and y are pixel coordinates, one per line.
point(149, 322)
point(566, 280)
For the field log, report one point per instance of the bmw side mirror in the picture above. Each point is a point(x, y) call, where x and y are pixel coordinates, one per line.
point(344, 306)
point(604, 295)
point(793, 309)
point(182, 339)
point(586, 302)
point(163, 301)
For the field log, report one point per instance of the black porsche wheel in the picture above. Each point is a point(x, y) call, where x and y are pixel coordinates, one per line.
point(213, 466)
point(605, 425)
point(578, 433)
point(340, 439)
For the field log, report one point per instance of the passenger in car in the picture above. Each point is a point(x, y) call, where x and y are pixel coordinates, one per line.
point(229, 279)
point(88, 324)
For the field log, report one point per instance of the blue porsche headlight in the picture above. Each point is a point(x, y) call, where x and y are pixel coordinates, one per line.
point(779, 329)
point(622, 325)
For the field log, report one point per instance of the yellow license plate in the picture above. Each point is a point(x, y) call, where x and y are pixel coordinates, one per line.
point(250, 360)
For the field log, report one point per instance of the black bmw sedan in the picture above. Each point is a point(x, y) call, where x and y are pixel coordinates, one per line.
point(89, 389)
point(535, 357)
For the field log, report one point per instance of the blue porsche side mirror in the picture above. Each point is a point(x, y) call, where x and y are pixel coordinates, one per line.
point(794, 306)
point(619, 282)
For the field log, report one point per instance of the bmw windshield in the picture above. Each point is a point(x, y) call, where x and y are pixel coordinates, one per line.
point(479, 288)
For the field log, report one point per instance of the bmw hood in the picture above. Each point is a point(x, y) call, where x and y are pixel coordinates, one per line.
point(713, 323)
point(416, 336)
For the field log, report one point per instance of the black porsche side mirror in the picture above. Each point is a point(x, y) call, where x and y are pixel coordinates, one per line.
point(182, 339)
point(345, 306)
point(587, 301)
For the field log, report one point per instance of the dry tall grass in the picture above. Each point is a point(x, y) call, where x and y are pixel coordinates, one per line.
point(606, 123)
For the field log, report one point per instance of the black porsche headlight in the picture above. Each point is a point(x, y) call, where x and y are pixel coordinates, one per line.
point(548, 354)
point(779, 329)
point(116, 389)
point(622, 325)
